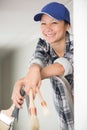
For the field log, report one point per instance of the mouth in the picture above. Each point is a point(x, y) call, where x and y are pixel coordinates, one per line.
point(49, 35)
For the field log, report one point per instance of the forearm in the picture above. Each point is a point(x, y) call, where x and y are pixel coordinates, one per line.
point(52, 70)
point(34, 68)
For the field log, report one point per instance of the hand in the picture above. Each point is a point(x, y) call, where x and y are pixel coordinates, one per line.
point(33, 79)
point(16, 96)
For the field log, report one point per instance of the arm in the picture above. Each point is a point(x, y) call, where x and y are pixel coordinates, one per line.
point(55, 69)
point(16, 96)
point(32, 78)
point(60, 67)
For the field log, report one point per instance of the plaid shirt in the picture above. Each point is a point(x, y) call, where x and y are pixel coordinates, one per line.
point(45, 55)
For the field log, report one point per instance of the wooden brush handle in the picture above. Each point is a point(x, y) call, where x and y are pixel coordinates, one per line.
point(43, 102)
point(34, 122)
point(31, 105)
point(15, 112)
point(32, 108)
point(46, 111)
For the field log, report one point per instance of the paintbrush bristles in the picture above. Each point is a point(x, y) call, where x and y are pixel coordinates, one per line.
point(34, 122)
point(9, 111)
point(46, 112)
point(3, 126)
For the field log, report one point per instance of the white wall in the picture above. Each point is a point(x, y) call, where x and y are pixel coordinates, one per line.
point(80, 58)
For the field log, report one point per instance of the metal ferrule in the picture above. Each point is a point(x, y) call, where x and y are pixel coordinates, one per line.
point(43, 103)
point(33, 111)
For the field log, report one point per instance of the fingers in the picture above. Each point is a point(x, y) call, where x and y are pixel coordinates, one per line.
point(26, 85)
point(18, 102)
point(16, 96)
point(32, 86)
point(35, 88)
point(17, 99)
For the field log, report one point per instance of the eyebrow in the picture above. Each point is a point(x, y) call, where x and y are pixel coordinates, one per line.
point(50, 20)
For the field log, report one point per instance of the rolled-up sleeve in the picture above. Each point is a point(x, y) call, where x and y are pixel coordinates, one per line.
point(37, 61)
point(66, 64)
point(40, 55)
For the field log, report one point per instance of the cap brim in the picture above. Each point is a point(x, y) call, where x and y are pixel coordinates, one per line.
point(37, 17)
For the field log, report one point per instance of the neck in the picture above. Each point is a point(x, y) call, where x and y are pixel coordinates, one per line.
point(59, 47)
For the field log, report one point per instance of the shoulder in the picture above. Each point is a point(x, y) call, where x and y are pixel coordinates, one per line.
point(42, 44)
point(69, 43)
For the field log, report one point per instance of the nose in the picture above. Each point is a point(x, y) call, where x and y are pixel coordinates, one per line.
point(48, 28)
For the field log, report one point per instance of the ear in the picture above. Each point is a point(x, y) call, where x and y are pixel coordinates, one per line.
point(67, 27)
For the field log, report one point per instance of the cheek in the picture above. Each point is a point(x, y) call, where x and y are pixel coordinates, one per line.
point(42, 30)
point(57, 29)
point(60, 31)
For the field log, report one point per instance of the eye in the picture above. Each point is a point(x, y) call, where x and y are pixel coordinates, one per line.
point(54, 22)
point(43, 23)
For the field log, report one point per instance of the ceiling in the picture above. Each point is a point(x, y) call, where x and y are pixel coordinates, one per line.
point(16, 22)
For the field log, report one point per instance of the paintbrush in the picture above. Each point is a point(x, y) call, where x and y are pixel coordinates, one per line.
point(8, 116)
point(46, 111)
point(34, 122)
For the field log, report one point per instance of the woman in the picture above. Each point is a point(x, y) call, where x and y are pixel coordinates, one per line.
point(53, 58)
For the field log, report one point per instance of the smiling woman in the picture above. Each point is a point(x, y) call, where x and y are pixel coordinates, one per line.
point(53, 30)
point(51, 55)
point(16, 20)
point(53, 59)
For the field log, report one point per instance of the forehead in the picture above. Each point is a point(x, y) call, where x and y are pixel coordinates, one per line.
point(47, 17)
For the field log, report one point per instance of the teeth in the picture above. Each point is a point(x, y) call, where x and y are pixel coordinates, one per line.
point(49, 35)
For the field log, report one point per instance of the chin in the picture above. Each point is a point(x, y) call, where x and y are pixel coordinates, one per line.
point(49, 41)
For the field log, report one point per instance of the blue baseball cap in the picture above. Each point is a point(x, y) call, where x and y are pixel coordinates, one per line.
point(56, 10)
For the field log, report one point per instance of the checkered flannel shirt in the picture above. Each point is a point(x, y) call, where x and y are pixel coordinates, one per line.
point(45, 55)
